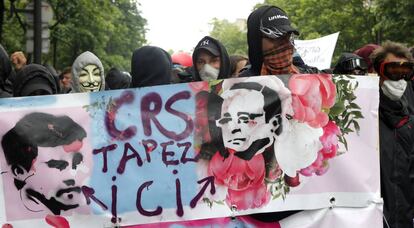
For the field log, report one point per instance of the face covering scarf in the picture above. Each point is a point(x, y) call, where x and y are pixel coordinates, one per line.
point(394, 89)
point(279, 61)
point(208, 73)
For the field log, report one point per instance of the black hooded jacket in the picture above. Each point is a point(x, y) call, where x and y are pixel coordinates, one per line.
point(254, 40)
point(150, 66)
point(33, 77)
point(6, 73)
point(396, 128)
point(224, 59)
point(115, 79)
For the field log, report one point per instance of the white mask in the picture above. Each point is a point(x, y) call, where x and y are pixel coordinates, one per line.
point(90, 79)
point(208, 73)
point(394, 89)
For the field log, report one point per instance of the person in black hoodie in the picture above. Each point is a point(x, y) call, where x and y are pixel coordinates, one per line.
point(394, 64)
point(150, 66)
point(270, 40)
point(33, 80)
point(6, 72)
point(350, 63)
point(211, 60)
point(115, 79)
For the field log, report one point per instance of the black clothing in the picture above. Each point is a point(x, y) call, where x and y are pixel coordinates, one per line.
point(34, 77)
point(116, 79)
point(396, 128)
point(150, 66)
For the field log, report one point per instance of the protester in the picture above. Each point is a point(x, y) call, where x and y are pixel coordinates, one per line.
point(211, 60)
point(350, 63)
point(365, 52)
point(394, 64)
point(237, 63)
point(6, 72)
point(87, 74)
point(115, 79)
point(150, 66)
point(33, 80)
point(65, 80)
point(270, 40)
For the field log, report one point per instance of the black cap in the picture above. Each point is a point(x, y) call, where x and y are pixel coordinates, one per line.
point(207, 44)
point(275, 23)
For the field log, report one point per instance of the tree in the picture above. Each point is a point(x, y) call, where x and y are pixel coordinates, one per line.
point(354, 19)
point(110, 29)
point(395, 20)
point(232, 35)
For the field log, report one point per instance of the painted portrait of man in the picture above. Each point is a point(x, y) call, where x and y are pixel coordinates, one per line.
point(251, 115)
point(45, 158)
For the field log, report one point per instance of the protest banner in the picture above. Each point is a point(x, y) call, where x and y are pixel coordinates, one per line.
point(201, 150)
point(317, 52)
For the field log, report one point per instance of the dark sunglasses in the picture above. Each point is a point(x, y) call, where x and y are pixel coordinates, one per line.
point(396, 71)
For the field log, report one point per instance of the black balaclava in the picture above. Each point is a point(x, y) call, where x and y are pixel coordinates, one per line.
point(224, 58)
point(150, 66)
point(254, 35)
point(116, 79)
point(34, 77)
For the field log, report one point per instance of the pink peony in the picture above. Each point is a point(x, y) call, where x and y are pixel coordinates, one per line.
point(329, 140)
point(244, 179)
point(254, 197)
point(311, 94)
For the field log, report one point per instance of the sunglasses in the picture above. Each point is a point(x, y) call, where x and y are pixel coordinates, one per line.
point(396, 71)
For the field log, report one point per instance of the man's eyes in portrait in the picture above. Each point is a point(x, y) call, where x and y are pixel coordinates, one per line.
point(226, 118)
point(57, 164)
point(245, 117)
point(62, 164)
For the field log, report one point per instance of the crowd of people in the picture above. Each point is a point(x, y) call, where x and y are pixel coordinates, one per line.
point(271, 51)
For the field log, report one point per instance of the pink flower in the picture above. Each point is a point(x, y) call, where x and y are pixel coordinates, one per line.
point(292, 181)
point(329, 140)
point(254, 197)
point(57, 221)
point(244, 179)
point(311, 94)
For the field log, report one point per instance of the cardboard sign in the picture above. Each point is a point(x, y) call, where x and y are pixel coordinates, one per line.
point(185, 152)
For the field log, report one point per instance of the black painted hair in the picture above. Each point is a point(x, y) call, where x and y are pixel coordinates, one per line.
point(272, 103)
point(20, 144)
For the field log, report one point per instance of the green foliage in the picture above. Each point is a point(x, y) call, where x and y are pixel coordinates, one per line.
point(278, 188)
point(110, 29)
point(396, 20)
point(231, 35)
point(345, 112)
